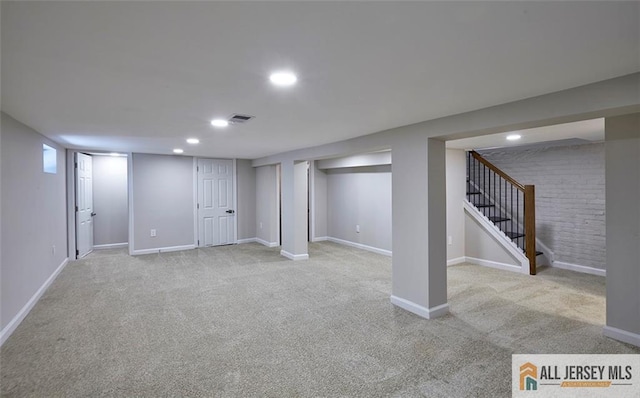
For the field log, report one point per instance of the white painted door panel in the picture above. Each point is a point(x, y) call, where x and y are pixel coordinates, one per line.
point(84, 204)
point(215, 202)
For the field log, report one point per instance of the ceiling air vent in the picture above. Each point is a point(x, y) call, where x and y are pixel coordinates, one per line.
point(238, 118)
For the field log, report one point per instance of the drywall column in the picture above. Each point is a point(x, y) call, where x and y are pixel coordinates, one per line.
point(622, 175)
point(456, 172)
point(419, 226)
point(319, 185)
point(294, 210)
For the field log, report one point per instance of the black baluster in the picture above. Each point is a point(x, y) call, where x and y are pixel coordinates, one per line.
point(518, 210)
point(511, 208)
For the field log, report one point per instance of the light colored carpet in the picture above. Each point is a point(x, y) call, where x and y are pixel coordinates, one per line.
point(241, 321)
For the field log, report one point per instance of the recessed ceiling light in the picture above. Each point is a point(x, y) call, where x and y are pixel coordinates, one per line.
point(219, 123)
point(514, 137)
point(283, 78)
point(178, 150)
point(193, 141)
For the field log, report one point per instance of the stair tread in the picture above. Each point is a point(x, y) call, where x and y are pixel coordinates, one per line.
point(499, 219)
point(474, 193)
point(513, 235)
point(483, 205)
point(539, 253)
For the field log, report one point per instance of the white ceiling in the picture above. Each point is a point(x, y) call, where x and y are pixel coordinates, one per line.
point(566, 133)
point(144, 76)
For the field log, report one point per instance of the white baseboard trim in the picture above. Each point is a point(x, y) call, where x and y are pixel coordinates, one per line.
point(163, 249)
point(11, 326)
point(548, 253)
point(268, 244)
point(622, 335)
point(247, 240)
point(294, 257)
point(579, 268)
point(360, 246)
point(111, 246)
point(419, 310)
point(495, 264)
point(455, 261)
point(320, 239)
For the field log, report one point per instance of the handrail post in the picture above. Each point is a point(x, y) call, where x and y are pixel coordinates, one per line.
point(530, 226)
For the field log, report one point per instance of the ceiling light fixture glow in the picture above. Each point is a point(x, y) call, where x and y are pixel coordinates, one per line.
point(219, 123)
point(193, 141)
point(178, 150)
point(283, 78)
point(514, 137)
point(114, 154)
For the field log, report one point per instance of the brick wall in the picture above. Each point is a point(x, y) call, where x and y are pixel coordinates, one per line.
point(570, 197)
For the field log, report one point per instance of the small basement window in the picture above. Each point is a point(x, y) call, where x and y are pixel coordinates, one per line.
point(49, 159)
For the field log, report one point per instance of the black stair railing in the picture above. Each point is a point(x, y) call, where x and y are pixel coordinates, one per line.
point(505, 202)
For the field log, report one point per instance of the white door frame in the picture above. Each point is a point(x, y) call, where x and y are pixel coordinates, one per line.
point(71, 200)
point(196, 231)
point(84, 214)
point(278, 202)
point(71, 204)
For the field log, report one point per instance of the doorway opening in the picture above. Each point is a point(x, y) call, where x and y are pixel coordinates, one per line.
point(99, 202)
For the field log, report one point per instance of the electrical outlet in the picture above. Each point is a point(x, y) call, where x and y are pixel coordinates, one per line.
point(357, 228)
point(450, 240)
point(153, 233)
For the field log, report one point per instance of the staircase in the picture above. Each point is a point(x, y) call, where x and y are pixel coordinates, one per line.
point(506, 203)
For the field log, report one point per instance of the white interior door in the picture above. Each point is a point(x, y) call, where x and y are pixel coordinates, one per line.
point(84, 205)
point(216, 215)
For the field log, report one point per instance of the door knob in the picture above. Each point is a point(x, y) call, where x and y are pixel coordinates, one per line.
point(231, 211)
point(93, 214)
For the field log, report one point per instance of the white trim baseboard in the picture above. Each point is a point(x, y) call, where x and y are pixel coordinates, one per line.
point(622, 335)
point(268, 244)
point(294, 257)
point(11, 326)
point(247, 240)
point(579, 268)
point(419, 310)
point(111, 246)
point(159, 250)
point(320, 239)
point(495, 264)
point(384, 252)
point(458, 260)
point(548, 253)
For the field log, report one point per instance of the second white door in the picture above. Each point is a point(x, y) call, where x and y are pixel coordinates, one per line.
point(216, 213)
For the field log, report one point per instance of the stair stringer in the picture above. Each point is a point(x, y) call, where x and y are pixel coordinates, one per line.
point(499, 237)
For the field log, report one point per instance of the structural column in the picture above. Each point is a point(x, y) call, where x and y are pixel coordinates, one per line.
point(622, 162)
point(294, 210)
point(419, 213)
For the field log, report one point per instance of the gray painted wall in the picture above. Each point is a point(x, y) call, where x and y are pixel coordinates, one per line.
point(110, 202)
point(360, 196)
point(33, 216)
point(162, 200)
point(246, 211)
point(622, 135)
point(481, 245)
point(456, 187)
point(570, 197)
point(266, 204)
